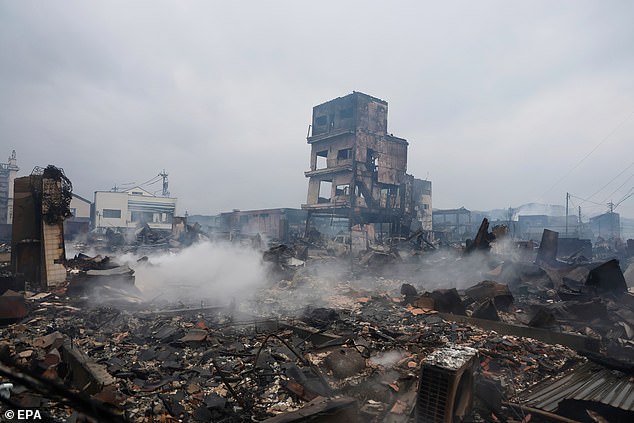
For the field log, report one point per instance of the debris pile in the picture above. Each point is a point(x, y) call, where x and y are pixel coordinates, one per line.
point(321, 341)
point(209, 365)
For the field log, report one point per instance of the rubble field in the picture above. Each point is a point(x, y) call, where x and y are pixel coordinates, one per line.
point(437, 336)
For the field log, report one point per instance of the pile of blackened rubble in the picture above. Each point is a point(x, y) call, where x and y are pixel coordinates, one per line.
point(325, 345)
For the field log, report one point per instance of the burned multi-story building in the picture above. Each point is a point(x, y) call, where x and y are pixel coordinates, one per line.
point(358, 170)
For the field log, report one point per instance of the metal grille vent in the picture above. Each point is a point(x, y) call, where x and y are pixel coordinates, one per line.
point(445, 390)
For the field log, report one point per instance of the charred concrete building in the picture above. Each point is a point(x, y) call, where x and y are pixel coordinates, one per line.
point(454, 224)
point(358, 170)
point(280, 224)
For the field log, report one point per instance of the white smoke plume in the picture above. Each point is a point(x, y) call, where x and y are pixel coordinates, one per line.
point(212, 273)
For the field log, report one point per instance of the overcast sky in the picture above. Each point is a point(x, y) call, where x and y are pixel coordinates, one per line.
point(502, 102)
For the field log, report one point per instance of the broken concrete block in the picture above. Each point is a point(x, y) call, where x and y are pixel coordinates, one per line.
point(87, 376)
point(194, 335)
point(607, 277)
point(408, 290)
point(498, 292)
point(52, 340)
point(424, 302)
point(10, 281)
point(486, 310)
point(12, 306)
point(344, 362)
point(448, 301)
point(322, 410)
point(543, 318)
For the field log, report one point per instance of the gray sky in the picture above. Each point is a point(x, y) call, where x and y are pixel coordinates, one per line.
point(500, 101)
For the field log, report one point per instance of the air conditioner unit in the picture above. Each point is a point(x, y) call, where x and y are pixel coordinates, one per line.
point(445, 389)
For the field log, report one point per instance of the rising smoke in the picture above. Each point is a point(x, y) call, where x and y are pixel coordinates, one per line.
point(212, 273)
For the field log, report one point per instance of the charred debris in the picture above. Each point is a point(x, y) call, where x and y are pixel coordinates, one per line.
point(401, 331)
point(379, 323)
point(385, 340)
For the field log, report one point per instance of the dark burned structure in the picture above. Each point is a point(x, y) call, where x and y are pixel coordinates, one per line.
point(281, 224)
point(358, 170)
point(41, 204)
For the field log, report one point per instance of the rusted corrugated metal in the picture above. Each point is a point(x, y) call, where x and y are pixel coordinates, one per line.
point(588, 382)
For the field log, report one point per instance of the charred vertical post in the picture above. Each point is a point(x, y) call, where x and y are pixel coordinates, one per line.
point(42, 202)
point(547, 252)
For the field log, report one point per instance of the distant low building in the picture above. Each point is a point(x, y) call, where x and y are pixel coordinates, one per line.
point(8, 172)
point(79, 222)
point(532, 227)
point(453, 224)
point(132, 208)
point(209, 224)
point(606, 225)
point(280, 224)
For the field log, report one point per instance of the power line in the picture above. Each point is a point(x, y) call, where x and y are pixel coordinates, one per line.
point(585, 200)
point(628, 195)
point(152, 180)
point(620, 186)
point(612, 180)
point(590, 153)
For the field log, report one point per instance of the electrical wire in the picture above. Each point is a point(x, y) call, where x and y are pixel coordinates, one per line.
point(590, 153)
point(620, 186)
point(151, 180)
point(587, 200)
point(612, 180)
point(628, 195)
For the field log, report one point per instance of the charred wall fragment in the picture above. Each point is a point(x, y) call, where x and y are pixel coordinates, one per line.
point(42, 202)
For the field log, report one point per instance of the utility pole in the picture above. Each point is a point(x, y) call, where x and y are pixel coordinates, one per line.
point(166, 193)
point(567, 198)
point(510, 219)
point(611, 207)
point(580, 226)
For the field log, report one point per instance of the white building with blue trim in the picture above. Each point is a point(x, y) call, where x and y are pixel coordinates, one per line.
point(132, 208)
